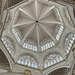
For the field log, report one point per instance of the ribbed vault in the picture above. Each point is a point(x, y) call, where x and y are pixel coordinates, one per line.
point(34, 28)
point(40, 25)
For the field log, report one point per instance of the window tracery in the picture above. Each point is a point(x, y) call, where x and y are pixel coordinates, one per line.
point(8, 44)
point(59, 32)
point(17, 34)
point(34, 47)
point(28, 61)
point(47, 45)
point(69, 42)
point(52, 59)
point(31, 47)
point(42, 25)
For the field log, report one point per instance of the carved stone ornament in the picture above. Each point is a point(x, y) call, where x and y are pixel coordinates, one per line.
point(28, 72)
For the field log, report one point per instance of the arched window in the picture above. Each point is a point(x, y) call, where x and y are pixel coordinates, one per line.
point(46, 44)
point(30, 46)
point(17, 34)
point(8, 44)
point(52, 59)
point(59, 32)
point(69, 42)
point(28, 61)
point(50, 44)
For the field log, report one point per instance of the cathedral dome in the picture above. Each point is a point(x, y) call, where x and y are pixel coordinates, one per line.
point(40, 25)
point(38, 33)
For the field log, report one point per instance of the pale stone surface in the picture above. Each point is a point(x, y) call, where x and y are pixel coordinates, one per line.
point(67, 20)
